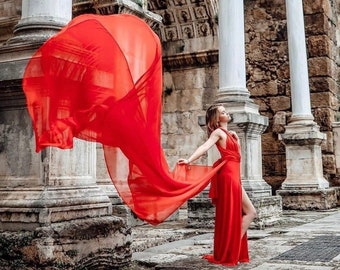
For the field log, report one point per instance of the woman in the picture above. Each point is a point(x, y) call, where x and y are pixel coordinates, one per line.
point(234, 210)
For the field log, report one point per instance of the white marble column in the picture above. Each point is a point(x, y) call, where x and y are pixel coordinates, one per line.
point(301, 107)
point(302, 136)
point(232, 69)
point(40, 19)
point(233, 93)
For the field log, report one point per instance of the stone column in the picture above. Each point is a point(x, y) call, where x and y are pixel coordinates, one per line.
point(232, 67)
point(247, 121)
point(233, 93)
point(304, 186)
point(51, 209)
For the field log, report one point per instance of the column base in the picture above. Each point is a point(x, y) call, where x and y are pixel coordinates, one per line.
point(320, 199)
point(269, 211)
point(31, 208)
point(303, 157)
point(93, 243)
point(257, 188)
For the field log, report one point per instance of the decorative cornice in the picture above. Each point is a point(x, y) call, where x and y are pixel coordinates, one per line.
point(189, 60)
point(108, 7)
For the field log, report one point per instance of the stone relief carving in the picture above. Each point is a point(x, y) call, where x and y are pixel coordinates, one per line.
point(180, 2)
point(184, 15)
point(171, 34)
point(188, 31)
point(185, 18)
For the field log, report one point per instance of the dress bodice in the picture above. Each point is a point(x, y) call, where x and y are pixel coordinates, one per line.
point(232, 149)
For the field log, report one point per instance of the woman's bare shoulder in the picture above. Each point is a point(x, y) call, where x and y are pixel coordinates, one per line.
point(219, 132)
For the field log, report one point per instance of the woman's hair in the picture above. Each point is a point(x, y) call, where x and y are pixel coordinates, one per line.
point(212, 118)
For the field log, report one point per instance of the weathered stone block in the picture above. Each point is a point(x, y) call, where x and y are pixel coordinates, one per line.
point(269, 211)
point(317, 6)
point(319, 66)
point(318, 46)
point(327, 146)
point(96, 243)
point(264, 88)
point(324, 117)
point(317, 24)
point(328, 162)
point(320, 199)
point(320, 84)
point(324, 100)
point(201, 212)
point(280, 103)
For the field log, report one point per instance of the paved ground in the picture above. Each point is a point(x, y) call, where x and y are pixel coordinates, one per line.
point(302, 241)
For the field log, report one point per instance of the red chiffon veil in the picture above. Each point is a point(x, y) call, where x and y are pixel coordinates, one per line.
point(100, 79)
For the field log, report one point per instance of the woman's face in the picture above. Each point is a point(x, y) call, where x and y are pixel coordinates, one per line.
point(224, 116)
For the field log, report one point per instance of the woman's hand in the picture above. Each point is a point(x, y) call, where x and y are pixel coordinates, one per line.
point(183, 161)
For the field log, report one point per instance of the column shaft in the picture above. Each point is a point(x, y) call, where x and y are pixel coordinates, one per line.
point(232, 71)
point(301, 108)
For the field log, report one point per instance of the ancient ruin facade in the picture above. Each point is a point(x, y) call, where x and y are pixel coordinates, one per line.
point(261, 100)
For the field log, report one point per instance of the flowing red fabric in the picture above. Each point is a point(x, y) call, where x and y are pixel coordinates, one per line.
point(100, 79)
point(226, 194)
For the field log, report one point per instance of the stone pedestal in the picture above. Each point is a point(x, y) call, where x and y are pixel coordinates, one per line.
point(303, 156)
point(320, 199)
point(269, 211)
point(305, 187)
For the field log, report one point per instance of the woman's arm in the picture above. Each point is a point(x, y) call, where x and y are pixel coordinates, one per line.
point(214, 137)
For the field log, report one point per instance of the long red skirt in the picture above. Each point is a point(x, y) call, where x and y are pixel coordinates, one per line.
point(226, 194)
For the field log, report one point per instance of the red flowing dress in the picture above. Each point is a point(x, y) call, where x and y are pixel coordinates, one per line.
point(226, 194)
point(100, 79)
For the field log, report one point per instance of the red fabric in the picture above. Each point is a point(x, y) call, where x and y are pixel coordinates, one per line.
point(226, 193)
point(100, 79)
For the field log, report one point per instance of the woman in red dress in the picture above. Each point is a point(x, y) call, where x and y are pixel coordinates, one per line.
point(108, 89)
point(234, 210)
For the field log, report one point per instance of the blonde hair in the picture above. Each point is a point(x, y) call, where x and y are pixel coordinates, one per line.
point(212, 118)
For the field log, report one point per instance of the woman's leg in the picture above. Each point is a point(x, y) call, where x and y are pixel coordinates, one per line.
point(249, 212)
